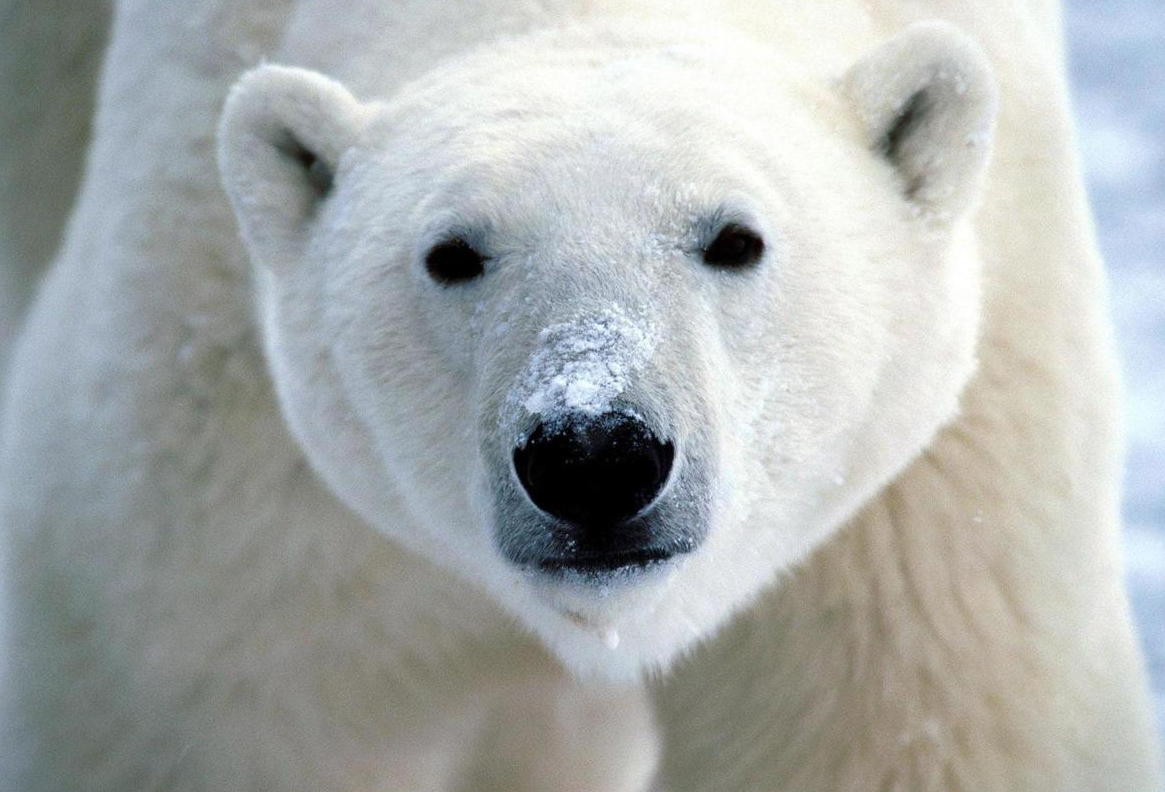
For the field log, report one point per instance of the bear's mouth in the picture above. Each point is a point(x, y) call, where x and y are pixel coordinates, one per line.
point(603, 563)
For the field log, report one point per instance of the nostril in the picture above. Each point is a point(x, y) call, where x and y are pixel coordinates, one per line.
point(596, 472)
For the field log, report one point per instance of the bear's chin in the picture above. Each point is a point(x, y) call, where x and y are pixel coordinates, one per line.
point(615, 628)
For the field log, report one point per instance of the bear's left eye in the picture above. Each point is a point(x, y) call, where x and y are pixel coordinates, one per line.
point(454, 261)
point(734, 247)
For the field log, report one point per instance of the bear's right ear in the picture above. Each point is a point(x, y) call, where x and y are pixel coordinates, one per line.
point(282, 133)
point(928, 100)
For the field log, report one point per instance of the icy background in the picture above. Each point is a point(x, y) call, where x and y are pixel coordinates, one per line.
point(1117, 61)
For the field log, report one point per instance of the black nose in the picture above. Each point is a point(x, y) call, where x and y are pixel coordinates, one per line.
point(597, 472)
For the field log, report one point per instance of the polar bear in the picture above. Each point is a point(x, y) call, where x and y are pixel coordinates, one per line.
point(571, 395)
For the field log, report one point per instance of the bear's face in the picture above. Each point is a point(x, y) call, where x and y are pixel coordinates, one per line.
point(617, 356)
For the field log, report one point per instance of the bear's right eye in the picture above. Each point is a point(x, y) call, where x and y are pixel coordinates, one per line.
point(735, 247)
point(454, 261)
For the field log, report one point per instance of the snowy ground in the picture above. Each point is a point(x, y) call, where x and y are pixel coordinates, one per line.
point(1117, 55)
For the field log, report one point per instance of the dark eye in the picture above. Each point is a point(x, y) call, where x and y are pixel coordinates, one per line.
point(454, 261)
point(735, 246)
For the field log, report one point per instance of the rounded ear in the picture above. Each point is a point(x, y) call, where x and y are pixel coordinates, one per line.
point(928, 100)
point(280, 139)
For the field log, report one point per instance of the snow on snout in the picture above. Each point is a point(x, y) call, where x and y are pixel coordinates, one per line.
point(582, 366)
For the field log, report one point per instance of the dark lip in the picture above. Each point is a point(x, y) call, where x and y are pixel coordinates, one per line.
point(598, 564)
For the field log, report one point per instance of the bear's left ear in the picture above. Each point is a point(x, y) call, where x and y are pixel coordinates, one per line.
point(928, 100)
point(282, 133)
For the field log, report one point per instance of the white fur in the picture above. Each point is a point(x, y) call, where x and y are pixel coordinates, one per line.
point(247, 502)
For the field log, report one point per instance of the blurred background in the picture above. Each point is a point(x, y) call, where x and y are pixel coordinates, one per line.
point(1117, 63)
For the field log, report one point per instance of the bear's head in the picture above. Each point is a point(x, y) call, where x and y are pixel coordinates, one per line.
point(617, 329)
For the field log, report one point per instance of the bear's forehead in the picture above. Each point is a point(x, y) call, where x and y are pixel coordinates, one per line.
point(583, 173)
point(584, 114)
point(565, 139)
point(602, 149)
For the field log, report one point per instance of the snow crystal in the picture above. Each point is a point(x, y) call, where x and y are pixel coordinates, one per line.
point(582, 366)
